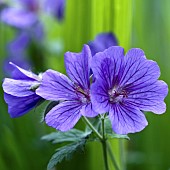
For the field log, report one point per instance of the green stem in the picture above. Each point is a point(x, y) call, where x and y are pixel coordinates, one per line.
point(112, 156)
point(92, 128)
point(103, 131)
point(104, 146)
point(122, 158)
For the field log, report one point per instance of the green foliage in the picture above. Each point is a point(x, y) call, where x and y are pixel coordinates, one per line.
point(77, 138)
point(73, 135)
point(108, 129)
point(66, 152)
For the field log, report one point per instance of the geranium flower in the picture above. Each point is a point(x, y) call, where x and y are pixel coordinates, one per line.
point(19, 91)
point(125, 86)
point(73, 92)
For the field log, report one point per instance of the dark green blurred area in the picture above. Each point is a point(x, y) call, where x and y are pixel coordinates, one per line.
point(136, 23)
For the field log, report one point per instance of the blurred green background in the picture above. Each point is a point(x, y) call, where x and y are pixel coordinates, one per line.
point(136, 23)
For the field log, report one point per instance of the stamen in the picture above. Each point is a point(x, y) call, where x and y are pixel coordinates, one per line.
point(116, 95)
point(82, 94)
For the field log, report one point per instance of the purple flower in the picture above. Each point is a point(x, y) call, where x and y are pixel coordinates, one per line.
point(29, 30)
point(21, 61)
point(24, 18)
point(73, 92)
point(30, 5)
point(16, 53)
point(19, 91)
point(18, 18)
point(102, 41)
point(124, 86)
point(56, 8)
point(20, 43)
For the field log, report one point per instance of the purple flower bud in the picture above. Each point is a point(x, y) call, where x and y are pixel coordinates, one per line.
point(102, 41)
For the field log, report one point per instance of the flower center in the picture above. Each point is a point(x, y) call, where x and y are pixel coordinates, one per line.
point(116, 95)
point(83, 95)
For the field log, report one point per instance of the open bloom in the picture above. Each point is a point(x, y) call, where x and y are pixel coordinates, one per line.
point(74, 92)
point(19, 91)
point(124, 86)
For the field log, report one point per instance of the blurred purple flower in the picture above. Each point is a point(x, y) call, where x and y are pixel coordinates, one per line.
point(101, 42)
point(16, 53)
point(37, 32)
point(19, 44)
point(30, 30)
point(19, 91)
point(18, 18)
point(24, 18)
point(73, 92)
point(56, 8)
point(124, 86)
point(30, 5)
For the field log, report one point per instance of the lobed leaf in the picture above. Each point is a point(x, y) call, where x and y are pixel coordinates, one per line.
point(73, 135)
point(66, 152)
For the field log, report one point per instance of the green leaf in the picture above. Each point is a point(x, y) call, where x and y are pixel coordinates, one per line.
point(73, 135)
point(66, 152)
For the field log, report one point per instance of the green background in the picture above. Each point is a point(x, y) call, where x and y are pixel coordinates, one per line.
point(136, 23)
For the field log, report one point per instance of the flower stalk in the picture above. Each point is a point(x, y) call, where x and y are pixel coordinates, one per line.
point(122, 158)
point(112, 156)
point(105, 145)
point(92, 128)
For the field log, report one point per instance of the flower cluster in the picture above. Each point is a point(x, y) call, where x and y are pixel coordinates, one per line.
point(119, 86)
point(24, 17)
